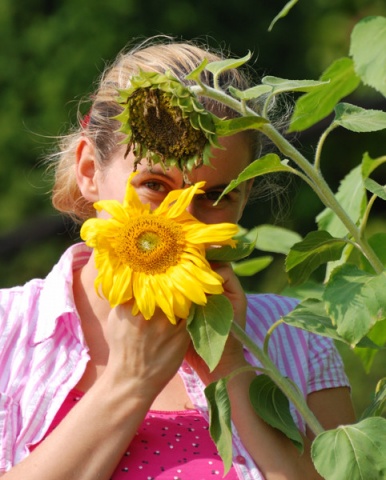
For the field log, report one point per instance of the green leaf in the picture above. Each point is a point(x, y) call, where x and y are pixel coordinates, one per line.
point(283, 12)
point(239, 124)
point(281, 85)
point(352, 197)
point(317, 104)
point(271, 238)
point(370, 164)
point(230, 254)
point(196, 73)
point(222, 65)
point(306, 256)
point(377, 242)
point(308, 289)
point(367, 354)
point(359, 119)
point(355, 300)
point(374, 187)
point(220, 420)
point(352, 452)
point(268, 164)
point(378, 405)
point(368, 50)
point(311, 315)
point(251, 266)
point(250, 93)
point(270, 403)
point(209, 326)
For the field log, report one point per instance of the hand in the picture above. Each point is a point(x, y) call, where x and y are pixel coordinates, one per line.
point(147, 351)
point(233, 355)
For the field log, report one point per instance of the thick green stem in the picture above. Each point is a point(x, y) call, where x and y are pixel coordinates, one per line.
point(286, 386)
point(315, 177)
point(325, 193)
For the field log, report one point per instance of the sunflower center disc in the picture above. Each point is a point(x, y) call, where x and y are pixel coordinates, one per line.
point(148, 241)
point(151, 244)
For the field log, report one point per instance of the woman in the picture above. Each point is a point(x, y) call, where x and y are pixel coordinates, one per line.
point(90, 392)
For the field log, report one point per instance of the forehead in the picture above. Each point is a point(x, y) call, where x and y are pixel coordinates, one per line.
point(226, 163)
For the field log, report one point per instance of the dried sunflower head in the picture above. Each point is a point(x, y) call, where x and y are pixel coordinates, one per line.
point(165, 123)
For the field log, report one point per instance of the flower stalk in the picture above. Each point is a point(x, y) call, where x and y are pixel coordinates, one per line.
point(313, 174)
point(285, 385)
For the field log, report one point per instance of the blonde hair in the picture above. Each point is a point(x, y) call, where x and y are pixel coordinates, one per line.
point(179, 58)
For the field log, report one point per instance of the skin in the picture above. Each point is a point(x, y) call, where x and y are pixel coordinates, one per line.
point(137, 361)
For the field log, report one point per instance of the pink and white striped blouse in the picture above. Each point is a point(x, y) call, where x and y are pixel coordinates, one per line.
point(43, 355)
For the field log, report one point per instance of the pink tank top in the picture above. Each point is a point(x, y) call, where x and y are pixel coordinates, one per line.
point(168, 446)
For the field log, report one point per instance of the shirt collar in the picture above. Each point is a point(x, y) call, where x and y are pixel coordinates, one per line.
point(57, 298)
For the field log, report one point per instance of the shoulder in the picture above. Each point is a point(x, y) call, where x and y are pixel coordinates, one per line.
point(19, 301)
point(18, 318)
point(21, 306)
point(268, 308)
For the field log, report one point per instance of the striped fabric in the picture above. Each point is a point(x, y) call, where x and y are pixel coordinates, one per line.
point(43, 356)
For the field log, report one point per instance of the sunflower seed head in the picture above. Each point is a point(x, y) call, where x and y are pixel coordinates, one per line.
point(165, 123)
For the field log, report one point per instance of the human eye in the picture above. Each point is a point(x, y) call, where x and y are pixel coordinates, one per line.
point(214, 198)
point(212, 195)
point(155, 186)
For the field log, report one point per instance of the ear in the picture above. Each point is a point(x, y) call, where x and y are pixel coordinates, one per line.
point(86, 170)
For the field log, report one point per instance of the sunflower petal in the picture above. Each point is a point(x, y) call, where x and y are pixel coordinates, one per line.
point(211, 234)
point(183, 200)
point(164, 297)
point(132, 202)
point(144, 296)
point(112, 207)
point(155, 259)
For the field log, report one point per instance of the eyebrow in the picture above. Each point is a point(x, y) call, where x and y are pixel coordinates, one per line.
point(157, 170)
point(222, 187)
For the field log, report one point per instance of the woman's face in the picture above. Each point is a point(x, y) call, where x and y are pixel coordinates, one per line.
point(153, 185)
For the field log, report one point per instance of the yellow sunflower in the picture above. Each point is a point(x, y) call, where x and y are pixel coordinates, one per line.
point(155, 257)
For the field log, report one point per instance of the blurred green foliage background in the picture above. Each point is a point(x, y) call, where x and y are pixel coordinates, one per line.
point(51, 54)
